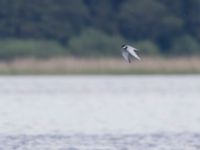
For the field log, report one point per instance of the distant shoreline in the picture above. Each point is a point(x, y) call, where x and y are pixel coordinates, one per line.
point(72, 65)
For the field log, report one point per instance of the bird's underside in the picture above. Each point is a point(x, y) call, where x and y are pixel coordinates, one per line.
point(128, 57)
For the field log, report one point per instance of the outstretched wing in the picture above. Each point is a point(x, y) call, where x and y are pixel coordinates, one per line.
point(125, 55)
point(132, 50)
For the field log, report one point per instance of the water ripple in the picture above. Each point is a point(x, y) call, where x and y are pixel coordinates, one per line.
point(184, 141)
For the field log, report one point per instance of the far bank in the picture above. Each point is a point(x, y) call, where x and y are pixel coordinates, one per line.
point(74, 65)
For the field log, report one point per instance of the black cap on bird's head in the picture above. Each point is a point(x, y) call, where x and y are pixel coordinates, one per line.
point(123, 46)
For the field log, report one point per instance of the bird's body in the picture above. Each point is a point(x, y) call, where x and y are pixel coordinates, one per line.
point(128, 52)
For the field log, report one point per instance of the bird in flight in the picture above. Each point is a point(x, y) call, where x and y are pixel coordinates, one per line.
point(128, 52)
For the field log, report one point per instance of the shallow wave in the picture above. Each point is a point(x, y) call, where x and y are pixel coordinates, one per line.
point(159, 141)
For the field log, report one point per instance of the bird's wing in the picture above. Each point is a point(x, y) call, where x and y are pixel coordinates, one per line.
point(125, 55)
point(132, 50)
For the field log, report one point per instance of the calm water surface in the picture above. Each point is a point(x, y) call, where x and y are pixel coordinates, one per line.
point(100, 112)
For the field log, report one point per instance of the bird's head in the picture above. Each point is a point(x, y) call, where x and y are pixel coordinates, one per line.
point(123, 46)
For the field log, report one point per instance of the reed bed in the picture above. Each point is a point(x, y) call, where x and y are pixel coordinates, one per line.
point(72, 65)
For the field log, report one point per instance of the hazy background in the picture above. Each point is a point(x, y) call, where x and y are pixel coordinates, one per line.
point(85, 36)
point(43, 28)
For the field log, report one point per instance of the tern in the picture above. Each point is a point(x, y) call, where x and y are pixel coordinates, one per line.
point(128, 52)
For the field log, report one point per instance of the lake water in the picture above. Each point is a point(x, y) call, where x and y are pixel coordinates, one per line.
point(141, 112)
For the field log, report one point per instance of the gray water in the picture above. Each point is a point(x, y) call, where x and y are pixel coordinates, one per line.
point(100, 112)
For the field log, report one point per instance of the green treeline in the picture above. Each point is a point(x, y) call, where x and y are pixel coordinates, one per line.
point(98, 27)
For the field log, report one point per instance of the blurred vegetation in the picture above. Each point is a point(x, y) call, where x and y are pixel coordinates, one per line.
point(12, 48)
point(95, 43)
point(42, 28)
